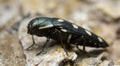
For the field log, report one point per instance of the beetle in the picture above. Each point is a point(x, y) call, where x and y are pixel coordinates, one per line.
point(64, 32)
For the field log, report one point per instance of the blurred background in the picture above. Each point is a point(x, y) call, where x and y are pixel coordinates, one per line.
point(99, 16)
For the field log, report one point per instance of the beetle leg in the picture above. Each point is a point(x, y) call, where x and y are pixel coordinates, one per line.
point(84, 44)
point(64, 49)
point(48, 39)
point(84, 47)
point(78, 48)
point(62, 43)
point(33, 40)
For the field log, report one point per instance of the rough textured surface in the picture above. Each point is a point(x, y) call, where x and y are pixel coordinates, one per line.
point(99, 16)
point(11, 54)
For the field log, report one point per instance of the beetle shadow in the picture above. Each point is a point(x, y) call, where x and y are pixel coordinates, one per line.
point(84, 54)
point(69, 48)
point(81, 54)
point(93, 53)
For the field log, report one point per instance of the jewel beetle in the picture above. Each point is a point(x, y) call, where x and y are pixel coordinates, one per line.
point(64, 32)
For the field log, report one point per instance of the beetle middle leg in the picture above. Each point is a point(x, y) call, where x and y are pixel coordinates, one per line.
point(62, 42)
point(48, 39)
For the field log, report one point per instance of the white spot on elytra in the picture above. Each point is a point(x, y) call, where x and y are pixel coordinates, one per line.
point(69, 37)
point(88, 32)
point(60, 20)
point(75, 26)
point(100, 39)
point(64, 30)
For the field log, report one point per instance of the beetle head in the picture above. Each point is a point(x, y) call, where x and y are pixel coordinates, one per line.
point(35, 25)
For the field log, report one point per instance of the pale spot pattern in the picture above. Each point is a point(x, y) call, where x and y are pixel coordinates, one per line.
point(89, 33)
point(64, 30)
point(100, 39)
point(75, 26)
point(60, 20)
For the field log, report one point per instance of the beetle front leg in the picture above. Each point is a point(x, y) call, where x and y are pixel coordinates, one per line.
point(48, 39)
point(33, 40)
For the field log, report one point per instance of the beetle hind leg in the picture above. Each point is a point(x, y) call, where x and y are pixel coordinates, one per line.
point(84, 44)
point(84, 51)
point(79, 48)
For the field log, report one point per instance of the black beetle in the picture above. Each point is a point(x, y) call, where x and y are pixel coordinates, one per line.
point(64, 32)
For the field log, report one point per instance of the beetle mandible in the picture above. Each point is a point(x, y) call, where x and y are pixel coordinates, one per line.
point(64, 32)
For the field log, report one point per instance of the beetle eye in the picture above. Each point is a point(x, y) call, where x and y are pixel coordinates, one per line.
point(29, 26)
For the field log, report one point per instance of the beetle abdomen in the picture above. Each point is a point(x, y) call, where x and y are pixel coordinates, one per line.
point(78, 35)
